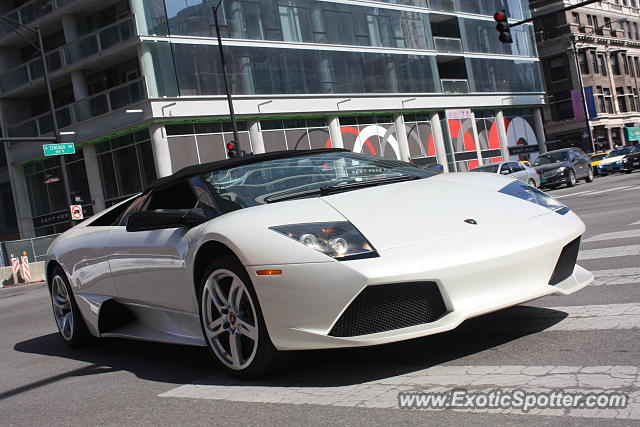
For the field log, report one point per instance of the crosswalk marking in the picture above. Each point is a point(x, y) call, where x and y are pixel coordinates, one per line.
point(383, 393)
point(593, 192)
point(572, 194)
point(614, 235)
point(612, 252)
point(608, 190)
point(593, 317)
point(619, 276)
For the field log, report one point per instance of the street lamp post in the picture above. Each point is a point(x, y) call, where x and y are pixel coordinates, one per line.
point(582, 94)
point(45, 73)
point(574, 43)
point(223, 63)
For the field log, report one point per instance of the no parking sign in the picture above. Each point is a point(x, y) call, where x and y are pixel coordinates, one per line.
point(76, 212)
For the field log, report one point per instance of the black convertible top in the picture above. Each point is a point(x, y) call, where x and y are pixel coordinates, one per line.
point(193, 170)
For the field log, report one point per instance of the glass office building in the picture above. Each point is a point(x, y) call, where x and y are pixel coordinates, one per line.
point(140, 84)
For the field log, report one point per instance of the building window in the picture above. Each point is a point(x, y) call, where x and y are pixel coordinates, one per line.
point(625, 63)
point(632, 101)
point(557, 68)
point(615, 64)
point(608, 99)
point(594, 62)
point(600, 100)
point(126, 165)
point(622, 102)
point(602, 65)
point(47, 194)
point(582, 60)
point(8, 220)
point(576, 18)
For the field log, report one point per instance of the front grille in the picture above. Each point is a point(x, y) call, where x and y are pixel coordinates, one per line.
point(566, 262)
point(387, 307)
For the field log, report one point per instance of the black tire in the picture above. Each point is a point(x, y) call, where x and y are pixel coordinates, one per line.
point(532, 183)
point(589, 177)
point(79, 333)
point(628, 171)
point(571, 178)
point(267, 358)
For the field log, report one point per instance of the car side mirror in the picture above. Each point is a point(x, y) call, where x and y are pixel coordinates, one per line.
point(157, 220)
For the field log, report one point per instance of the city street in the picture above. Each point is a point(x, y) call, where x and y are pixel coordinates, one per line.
point(588, 341)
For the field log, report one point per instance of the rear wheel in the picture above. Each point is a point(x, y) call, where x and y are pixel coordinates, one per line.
point(589, 177)
point(66, 313)
point(532, 183)
point(232, 322)
point(571, 179)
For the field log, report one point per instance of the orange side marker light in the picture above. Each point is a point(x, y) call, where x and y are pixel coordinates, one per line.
point(268, 272)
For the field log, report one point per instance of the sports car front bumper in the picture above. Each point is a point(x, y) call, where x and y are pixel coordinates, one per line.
point(476, 273)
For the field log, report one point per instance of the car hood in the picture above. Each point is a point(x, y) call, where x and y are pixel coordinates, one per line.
point(610, 160)
point(551, 166)
point(410, 212)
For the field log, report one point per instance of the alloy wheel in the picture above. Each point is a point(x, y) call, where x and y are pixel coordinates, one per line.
point(230, 319)
point(62, 308)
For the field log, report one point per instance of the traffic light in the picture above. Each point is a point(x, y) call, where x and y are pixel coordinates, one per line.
point(503, 27)
point(232, 149)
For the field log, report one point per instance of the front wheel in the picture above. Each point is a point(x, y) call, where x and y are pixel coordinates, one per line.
point(232, 322)
point(532, 183)
point(66, 313)
point(589, 177)
point(571, 179)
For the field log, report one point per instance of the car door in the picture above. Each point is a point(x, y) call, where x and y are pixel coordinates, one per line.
point(579, 165)
point(148, 267)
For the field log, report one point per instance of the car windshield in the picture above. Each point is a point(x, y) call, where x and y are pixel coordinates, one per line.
point(557, 157)
point(619, 152)
point(489, 168)
point(262, 182)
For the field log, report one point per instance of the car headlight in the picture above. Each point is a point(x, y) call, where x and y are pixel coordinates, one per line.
point(340, 240)
point(526, 192)
point(560, 170)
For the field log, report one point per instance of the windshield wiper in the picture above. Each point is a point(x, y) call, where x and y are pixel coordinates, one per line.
point(333, 189)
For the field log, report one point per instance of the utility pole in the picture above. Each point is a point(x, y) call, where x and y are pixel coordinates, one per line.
point(223, 63)
point(54, 119)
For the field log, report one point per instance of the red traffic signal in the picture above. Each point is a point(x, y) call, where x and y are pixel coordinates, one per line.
point(232, 149)
point(503, 27)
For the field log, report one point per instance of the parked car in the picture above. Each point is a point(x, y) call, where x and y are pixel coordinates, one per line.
point(258, 256)
point(632, 160)
point(564, 166)
point(516, 170)
point(613, 161)
point(596, 158)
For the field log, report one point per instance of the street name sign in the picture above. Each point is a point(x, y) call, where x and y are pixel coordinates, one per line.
point(59, 149)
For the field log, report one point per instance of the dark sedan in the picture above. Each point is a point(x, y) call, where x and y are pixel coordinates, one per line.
point(632, 160)
point(564, 166)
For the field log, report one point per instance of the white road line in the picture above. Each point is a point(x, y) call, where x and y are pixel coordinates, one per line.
point(609, 252)
point(635, 223)
point(637, 187)
point(591, 317)
point(620, 276)
point(383, 393)
point(610, 189)
point(573, 194)
point(614, 235)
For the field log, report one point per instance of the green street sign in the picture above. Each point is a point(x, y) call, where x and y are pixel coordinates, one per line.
point(59, 149)
point(632, 133)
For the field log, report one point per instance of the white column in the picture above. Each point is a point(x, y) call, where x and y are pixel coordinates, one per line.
point(94, 178)
point(476, 137)
point(502, 135)
point(438, 139)
point(21, 200)
point(138, 7)
point(70, 28)
point(148, 69)
point(539, 123)
point(161, 153)
point(401, 133)
point(334, 132)
point(255, 133)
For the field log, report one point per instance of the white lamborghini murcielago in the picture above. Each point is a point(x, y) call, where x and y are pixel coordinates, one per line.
point(259, 256)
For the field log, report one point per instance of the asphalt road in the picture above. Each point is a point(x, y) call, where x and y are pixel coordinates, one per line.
point(588, 341)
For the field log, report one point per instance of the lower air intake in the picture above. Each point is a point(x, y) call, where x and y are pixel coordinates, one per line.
point(566, 262)
point(387, 307)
